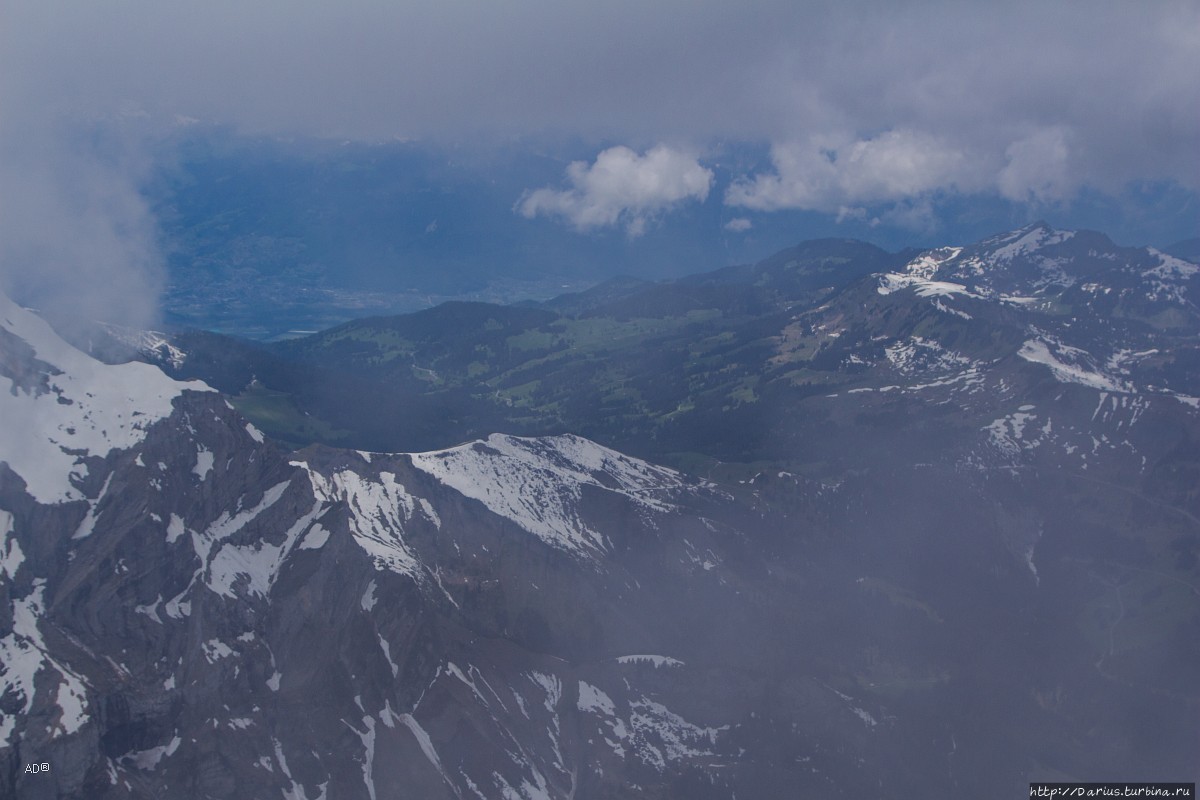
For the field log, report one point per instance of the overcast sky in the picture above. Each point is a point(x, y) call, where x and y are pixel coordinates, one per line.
point(865, 106)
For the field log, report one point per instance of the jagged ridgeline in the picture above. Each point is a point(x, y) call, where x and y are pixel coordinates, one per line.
point(843, 523)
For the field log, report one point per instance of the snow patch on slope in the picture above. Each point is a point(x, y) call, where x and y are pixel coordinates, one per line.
point(649, 730)
point(659, 735)
point(381, 508)
point(11, 556)
point(423, 740)
point(593, 700)
point(204, 463)
point(259, 563)
point(894, 282)
point(1170, 277)
point(920, 275)
point(148, 759)
point(1007, 434)
point(24, 657)
point(1069, 364)
point(919, 355)
point(1026, 240)
point(538, 483)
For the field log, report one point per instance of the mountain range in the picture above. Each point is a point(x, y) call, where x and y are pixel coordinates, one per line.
point(841, 523)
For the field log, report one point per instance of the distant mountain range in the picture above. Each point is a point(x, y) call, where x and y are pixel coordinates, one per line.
point(843, 523)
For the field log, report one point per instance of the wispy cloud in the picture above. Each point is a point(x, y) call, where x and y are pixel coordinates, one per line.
point(77, 238)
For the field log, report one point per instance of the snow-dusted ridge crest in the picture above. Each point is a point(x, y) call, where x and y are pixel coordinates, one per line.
point(538, 483)
point(1007, 246)
point(1031, 265)
point(60, 406)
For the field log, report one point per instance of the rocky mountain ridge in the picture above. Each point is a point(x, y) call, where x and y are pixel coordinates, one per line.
point(201, 615)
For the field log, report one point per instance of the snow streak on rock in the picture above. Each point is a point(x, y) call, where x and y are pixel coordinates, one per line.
point(257, 564)
point(380, 509)
point(919, 275)
point(1008, 246)
point(24, 657)
point(1069, 364)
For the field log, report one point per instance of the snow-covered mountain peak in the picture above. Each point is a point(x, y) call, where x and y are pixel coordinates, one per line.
point(1051, 270)
point(61, 406)
point(1011, 264)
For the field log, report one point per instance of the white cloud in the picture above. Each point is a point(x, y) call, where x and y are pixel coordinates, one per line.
point(622, 188)
point(827, 174)
point(738, 225)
